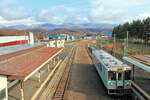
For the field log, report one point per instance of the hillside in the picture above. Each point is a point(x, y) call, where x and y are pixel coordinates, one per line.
point(11, 32)
point(70, 31)
point(48, 26)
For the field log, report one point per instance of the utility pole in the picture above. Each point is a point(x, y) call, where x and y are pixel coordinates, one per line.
point(127, 38)
point(124, 47)
point(114, 43)
point(126, 44)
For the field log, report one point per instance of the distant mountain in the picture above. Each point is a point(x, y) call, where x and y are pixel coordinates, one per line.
point(1, 26)
point(47, 26)
point(36, 30)
point(17, 27)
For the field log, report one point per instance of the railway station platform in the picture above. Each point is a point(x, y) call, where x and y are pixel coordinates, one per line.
point(23, 71)
point(140, 75)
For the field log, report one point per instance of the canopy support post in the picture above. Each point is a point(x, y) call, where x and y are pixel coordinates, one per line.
point(39, 76)
point(48, 67)
point(58, 58)
point(54, 61)
point(133, 71)
point(21, 90)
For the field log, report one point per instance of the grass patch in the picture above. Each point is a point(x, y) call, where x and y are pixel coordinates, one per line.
point(132, 49)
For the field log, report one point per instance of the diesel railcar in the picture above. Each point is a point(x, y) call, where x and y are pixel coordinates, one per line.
point(115, 75)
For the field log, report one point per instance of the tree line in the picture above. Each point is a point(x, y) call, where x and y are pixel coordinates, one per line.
point(137, 29)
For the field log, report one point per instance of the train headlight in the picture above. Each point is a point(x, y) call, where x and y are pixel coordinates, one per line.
point(111, 84)
point(127, 85)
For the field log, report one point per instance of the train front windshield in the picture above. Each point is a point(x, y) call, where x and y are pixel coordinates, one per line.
point(128, 75)
point(120, 76)
point(112, 76)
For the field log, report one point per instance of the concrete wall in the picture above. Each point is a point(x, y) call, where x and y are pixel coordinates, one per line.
point(13, 40)
point(31, 38)
point(3, 87)
point(55, 43)
point(52, 44)
point(4, 39)
point(60, 43)
point(16, 40)
point(3, 82)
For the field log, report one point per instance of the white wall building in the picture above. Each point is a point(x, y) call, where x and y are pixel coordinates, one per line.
point(3, 87)
point(16, 40)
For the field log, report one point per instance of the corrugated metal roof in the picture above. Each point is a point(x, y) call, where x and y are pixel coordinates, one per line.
point(10, 49)
point(56, 36)
point(108, 32)
point(21, 66)
point(137, 63)
point(13, 51)
point(53, 36)
point(145, 59)
point(107, 59)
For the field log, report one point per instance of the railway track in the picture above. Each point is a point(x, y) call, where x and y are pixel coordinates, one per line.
point(141, 94)
point(62, 85)
point(59, 82)
point(50, 85)
point(124, 97)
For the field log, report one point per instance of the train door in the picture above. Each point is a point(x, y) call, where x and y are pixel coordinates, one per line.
point(119, 77)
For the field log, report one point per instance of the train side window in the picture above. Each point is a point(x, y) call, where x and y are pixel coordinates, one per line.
point(100, 66)
point(112, 76)
point(128, 75)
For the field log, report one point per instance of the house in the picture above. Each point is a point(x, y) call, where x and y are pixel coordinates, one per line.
point(59, 43)
point(105, 35)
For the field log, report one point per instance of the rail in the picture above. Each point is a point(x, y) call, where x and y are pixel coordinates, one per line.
point(48, 87)
point(62, 86)
point(140, 92)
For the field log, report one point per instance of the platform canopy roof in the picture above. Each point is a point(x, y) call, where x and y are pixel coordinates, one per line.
point(14, 51)
point(15, 48)
point(27, 63)
point(141, 61)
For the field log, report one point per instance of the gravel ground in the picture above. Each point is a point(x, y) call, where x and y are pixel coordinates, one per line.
point(142, 78)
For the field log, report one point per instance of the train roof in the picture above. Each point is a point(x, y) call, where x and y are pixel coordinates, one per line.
point(108, 60)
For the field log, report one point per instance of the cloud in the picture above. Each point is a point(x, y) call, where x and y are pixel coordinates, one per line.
point(97, 11)
point(144, 15)
point(26, 21)
point(52, 15)
point(11, 13)
point(61, 14)
point(11, 10)
point(117, 11)
point(100, 15)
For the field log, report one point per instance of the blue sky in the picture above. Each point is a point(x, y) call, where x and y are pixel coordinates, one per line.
point(32, 12)
point(43, 4)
